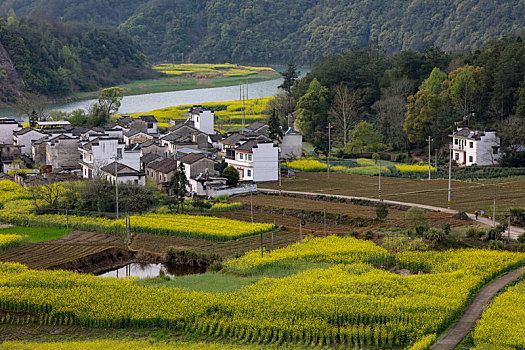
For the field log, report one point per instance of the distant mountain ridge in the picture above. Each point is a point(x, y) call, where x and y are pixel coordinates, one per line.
point(273, 31)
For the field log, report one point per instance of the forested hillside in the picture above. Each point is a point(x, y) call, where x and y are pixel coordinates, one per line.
point(56, 59)
point(273, 31)
point(373, 100)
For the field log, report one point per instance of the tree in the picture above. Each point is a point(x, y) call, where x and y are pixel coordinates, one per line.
point(274, 127)
point(415, 216)
point(290, 76)
point(110, 99)
point(32, 106)
point(363, 138)
point(344, 111)
point(179, 182)
point(390, 111)
point(381, 211)
point(466, 89)
point(232, 175)
point(312, 117)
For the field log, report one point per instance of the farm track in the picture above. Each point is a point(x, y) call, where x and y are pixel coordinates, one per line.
point(474, 311)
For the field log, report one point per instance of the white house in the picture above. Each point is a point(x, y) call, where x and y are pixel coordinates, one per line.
point(103, 151)
point(203, 119)
point(471, 147)
point(125, 174)
point(292, 144)
point(255, 160)
point(24, 137)
point(7, 127)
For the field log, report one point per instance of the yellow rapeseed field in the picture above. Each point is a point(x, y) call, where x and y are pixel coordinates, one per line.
point(18, 209)
point(344, 301)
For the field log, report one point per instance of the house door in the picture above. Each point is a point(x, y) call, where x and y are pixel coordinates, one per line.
point(465, 158)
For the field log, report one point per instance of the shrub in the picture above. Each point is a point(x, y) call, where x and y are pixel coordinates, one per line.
point(381, 211)
point(222, 198)
point(232, 175)
point(521, 238)
point(421, 230)
point(415, 216)
point(435, 234)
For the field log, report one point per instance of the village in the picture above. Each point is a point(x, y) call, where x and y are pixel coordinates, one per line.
point(135, 149)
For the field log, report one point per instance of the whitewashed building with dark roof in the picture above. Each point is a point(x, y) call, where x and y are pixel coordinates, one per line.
point(473, 147)
point(256, 160)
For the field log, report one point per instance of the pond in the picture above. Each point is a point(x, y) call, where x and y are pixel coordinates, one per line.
point(148, 270)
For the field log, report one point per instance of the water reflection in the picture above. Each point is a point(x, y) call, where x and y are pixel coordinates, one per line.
point(145, 270)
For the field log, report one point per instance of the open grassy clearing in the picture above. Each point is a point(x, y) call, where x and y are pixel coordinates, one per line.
point(35, 234)
point(466, 196)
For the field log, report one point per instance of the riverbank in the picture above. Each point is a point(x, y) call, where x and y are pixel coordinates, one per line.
point(178, 83)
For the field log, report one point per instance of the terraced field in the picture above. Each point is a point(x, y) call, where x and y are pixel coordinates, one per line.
point(46, 256)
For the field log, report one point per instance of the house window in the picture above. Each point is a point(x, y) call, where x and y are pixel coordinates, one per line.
point(470, 159)
point(249, 157)
point(457, 156)
point(455, 141)
point(495, 150)
point(249, 173)
point(241, 156)
point(150, 125)
point(119, 153)
point(471, 144)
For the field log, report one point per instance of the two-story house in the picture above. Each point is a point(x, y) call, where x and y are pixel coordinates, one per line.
point(256, 160)
point(62, 152)
point(203, 119)
point(471, 147)
point(103, 151)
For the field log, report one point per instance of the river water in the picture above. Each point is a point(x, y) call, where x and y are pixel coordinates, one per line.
point(147, 102)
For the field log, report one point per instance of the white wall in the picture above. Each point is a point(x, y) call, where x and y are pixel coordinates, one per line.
point(292, 146)
point(6, 132)
point(204, 122)
point(25, 140)
point(265, 162)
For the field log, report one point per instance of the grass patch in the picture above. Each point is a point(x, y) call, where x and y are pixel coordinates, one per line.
point(35, 234)
point(214, 282)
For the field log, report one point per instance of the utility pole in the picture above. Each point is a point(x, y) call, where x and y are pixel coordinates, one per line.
point(449, 174)
point(116, 187)
point(329, 149)
point(67, 221)
point(429, 140)
point(380, 180)
point(494, 214)
point(251, 204)
point(436, 160)
point(280, 180)
point(301, 231)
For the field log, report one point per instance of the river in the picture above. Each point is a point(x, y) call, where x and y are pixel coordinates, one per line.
point(147, 102)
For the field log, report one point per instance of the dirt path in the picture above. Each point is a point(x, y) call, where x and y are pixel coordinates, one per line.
point(515, 232)
point(465, 324)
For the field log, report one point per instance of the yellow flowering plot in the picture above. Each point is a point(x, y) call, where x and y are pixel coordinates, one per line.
point(413, 168)
point(352, 304)
point(308, 165)
point(253, 110)
point(9, 241)
point(196, 226)
point(333, 250)
point(18, 210)
point(502, 325)
point(212, 70)
point(123, 345)
point(424, 343)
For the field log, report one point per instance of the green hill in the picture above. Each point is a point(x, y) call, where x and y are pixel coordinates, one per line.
point(271, 31)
